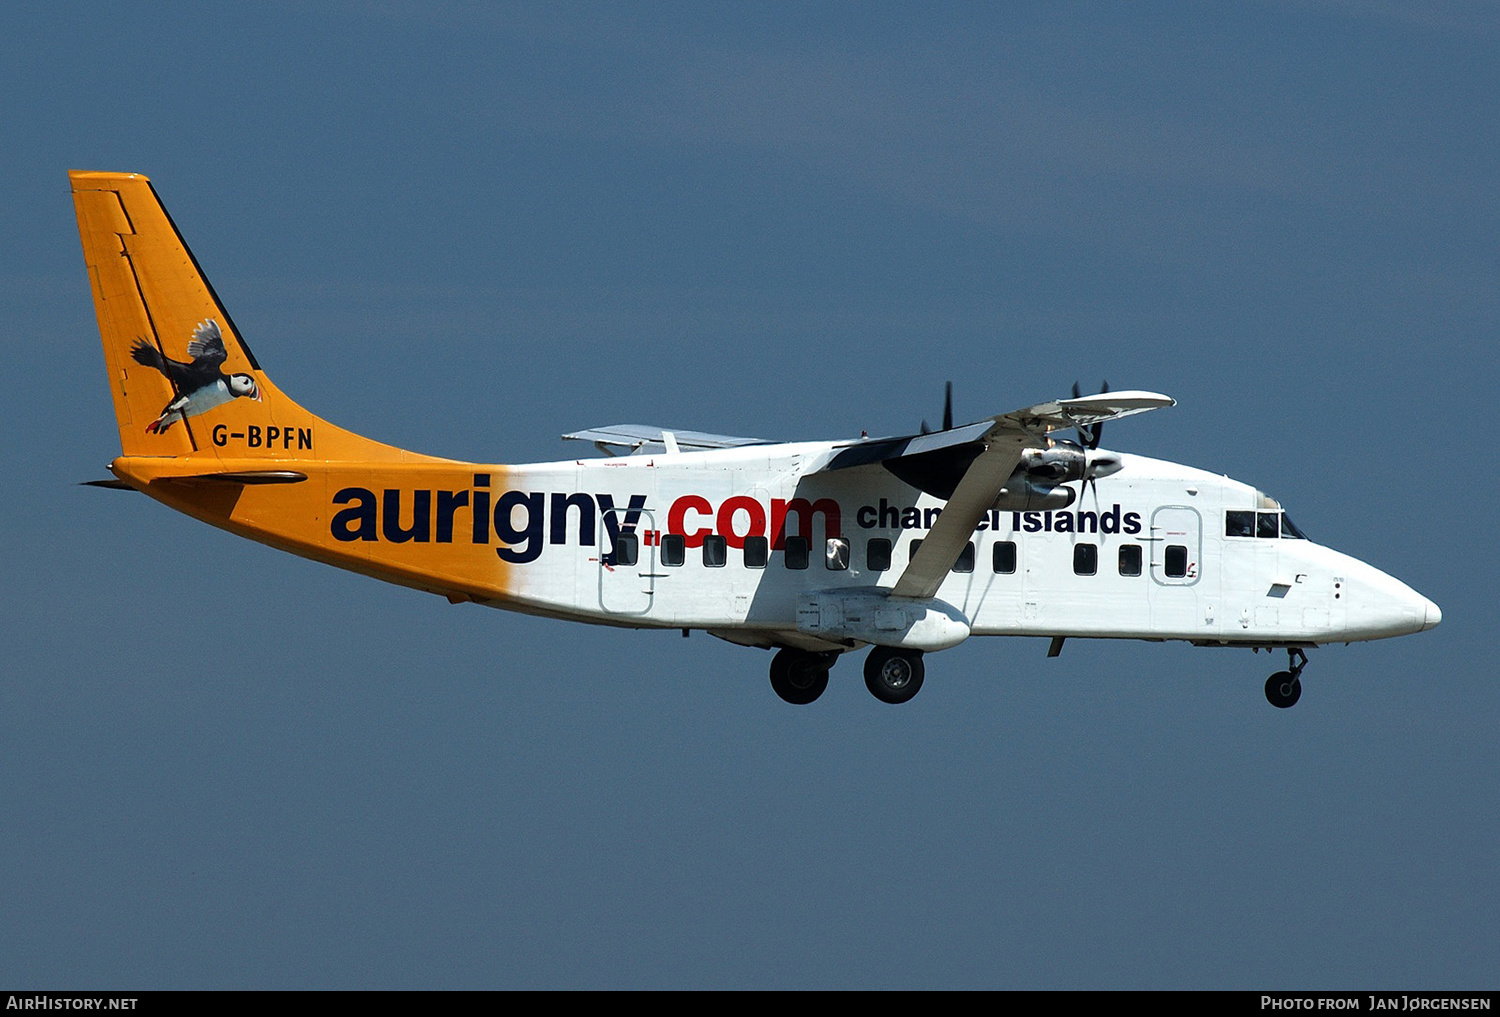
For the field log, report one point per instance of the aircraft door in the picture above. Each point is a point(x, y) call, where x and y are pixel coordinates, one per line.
point(627, 561)
point(1176, 545)
point(1176, 539)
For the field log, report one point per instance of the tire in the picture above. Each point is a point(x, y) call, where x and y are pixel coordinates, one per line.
point(799, 677)
point(1283, 689)
point(892, 675)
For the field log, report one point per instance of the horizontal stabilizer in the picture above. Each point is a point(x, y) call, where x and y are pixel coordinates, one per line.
point(643, 439)
point(239, 477)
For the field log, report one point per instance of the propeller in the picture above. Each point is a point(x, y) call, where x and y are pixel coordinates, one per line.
point(1088, 437)
point(1089, 434)
point(947, 410)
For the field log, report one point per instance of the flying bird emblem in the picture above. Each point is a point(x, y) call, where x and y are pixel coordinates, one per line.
point(200, 384)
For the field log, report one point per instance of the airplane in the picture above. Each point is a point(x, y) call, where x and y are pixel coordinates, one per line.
point(906, 545)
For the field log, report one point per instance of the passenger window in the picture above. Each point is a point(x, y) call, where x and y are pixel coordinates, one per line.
point(878, 554)
point(673, 549)
point(757, 550)
point(836, 554)
point(715, 551)
point(1289, 528)
point(1085, 559)
point(1239, 524)
point(965, 561)
point(1005, 557)
point(627, 550)
point(1130, 559)
point(1175, 564)
point(1268, 524)
point(796, 552)
point(911, 549)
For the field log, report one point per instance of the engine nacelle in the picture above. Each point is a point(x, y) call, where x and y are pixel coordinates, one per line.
point(1037, 482)
point(1022, 494)
point(1056, 465)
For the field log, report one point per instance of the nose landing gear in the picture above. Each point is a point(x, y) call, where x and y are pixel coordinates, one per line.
point(1284, 688)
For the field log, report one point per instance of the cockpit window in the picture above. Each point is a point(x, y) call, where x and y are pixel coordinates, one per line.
point(1242, 523)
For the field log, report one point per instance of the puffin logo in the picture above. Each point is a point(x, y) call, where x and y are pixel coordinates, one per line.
point(200, 384)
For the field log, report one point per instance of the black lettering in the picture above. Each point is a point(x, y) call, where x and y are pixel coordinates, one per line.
point(220, 435)
point(304, 438)
point(449, 502)
point(613, 527)
point(929, 516)
point(1089, 518)
point(254, 441)
point(1132, 522)
point(585, 506)
point(891, 512)
point(421, 517)
point(358, 521)
point(866, 512)
point(1109, 522)
point(481, 533)
point(526, 542)
point(272, 433)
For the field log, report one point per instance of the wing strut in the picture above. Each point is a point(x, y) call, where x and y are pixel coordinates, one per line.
point(950, 532)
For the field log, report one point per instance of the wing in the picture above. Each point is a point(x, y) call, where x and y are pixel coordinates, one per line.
point(975, 494)
point(968, 466)
point(207, 345)
point(643, 439)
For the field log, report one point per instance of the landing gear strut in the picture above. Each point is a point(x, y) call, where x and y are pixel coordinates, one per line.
point(799, 676)
point(893, 675)
point(1284, 688)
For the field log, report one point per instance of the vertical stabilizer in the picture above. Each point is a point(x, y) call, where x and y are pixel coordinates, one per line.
point(184, 382)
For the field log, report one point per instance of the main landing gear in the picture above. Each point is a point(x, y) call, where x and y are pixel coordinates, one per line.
point(1284, 688)
point(892, 675)
point(799, 676)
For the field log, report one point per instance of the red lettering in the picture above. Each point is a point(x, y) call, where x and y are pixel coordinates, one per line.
point(676, 518)
point(804, 511)
point(751, 508)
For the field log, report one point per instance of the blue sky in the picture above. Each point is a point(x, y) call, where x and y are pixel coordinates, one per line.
point(468, 228)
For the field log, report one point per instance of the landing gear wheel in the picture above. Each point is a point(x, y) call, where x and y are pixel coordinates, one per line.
point(799, 677)
point(892, 675)
point(1283, 689)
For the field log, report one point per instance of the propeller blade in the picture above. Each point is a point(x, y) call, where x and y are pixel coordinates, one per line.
point(948, 407)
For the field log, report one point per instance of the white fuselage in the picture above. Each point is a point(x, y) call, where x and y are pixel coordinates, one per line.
point(1142, 554)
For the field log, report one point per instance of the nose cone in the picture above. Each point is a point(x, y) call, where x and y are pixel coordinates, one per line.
point(1434, 615)
point(1379, 606)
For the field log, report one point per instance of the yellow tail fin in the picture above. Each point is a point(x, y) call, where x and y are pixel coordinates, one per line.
point(184, 382)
